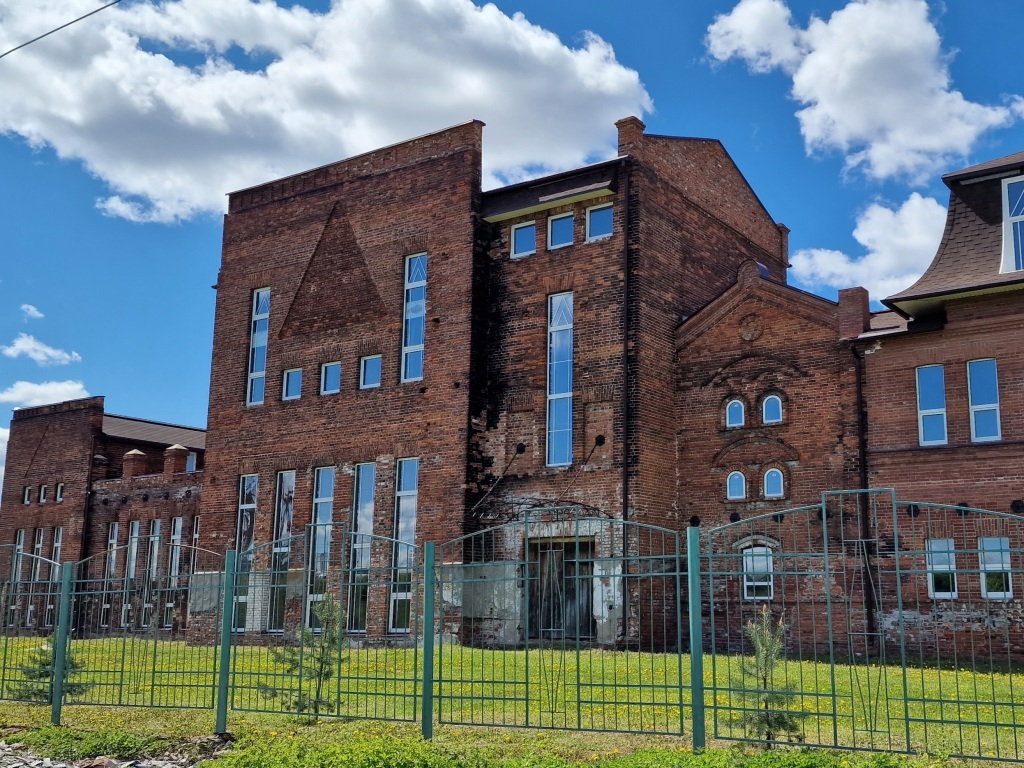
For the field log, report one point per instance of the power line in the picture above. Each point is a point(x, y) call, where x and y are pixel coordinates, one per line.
point(58, 29)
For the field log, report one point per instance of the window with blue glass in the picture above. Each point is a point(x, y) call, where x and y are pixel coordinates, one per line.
point(524, 239)
point(771, 410)
point(734, 414)
point(414, 317)
point(1013, 224)
point(735, 486)
point(292, 386)
point(369, 372)
point(773, 484)
point(559, 426)
point(983, 395)
point(259, 325)
point(403, 558)
point(330, 378)
point(599, 222)
point(362, 538)
point(931, 405)
point(560, 231)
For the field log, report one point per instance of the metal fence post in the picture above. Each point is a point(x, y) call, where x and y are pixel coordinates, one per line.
point(223, 669)
point(696, 636)
point(427, 715)
point(60, 644)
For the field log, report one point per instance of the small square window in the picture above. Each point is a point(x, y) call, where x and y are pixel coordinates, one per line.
point(524, 239)
point(369, 372)
point(330, 378)
point(599, 222)
point(292, 389)
point(560, 231)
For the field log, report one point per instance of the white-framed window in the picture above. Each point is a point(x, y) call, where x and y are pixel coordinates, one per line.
point(941, 561)
point(983, 397)
point(56, 553)
point(26, 495)
point(173, 571)
point(291, 386)
point(43, 490)
point(774, 484)
point(560, 359)
point(758, 573)
point(37, 554)
point(735, 414)
point(330, 378)
point(771, 410)
point(58, 494)
point(260, 327)
point(414, 317)
point(16, 574)
point(560, 231)
point(369, 372)
point(281, 549)
point(130, 596)
point(599, 222)
point(931, 405)
point(403, 557)
point(362, 538)
point(524, 239)
point(194, 553)
point(245, 534)
point(109, 574)
point(1013, 224)
point(191, 461)
point(320, 541)
point(736, 486)
point(994, 563)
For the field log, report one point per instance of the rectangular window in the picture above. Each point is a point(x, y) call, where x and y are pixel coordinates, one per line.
point(291, 388)
point(362, 532)
point(53, 593)
point(983, 394)
point(369, 372)
point(16, 574)
point(26, 495)
point(994, 563)
point(37, 555)
point(320, 541)
point(560, 231)
point(131, 596)
point(56, 553)
point(758, 573)
point(524, 239)
point(281, 549)
point(414, 317)
point(149, 577)
point(1013, 224)
point(109, 574)
point(941, 569)
point(931, 405)
point(42, 493)
point(258, 346)
point(191, 461)
point(330, 378)
point(559, 421)
point(245, 531)
point(599, 222)
point(403, 559)
point(174, 592)
point(194, 553)
point(58, 495)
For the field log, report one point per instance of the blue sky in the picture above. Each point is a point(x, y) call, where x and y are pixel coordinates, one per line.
point(120, 136)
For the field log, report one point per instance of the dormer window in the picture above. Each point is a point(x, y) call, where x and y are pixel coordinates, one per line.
point(1013, 224)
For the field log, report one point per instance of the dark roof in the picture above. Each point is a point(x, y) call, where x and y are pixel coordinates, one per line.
point(548, 191)
point(153, 431)
point(1000, 164)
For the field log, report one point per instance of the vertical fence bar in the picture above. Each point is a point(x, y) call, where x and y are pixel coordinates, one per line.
point(60, 645)
point(696, 638)
point(427, 702)
point(224, 667)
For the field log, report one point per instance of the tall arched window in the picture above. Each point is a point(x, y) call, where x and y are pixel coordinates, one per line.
point(734, 413)
point(771, 410)
point(736, 486)
point(773, 484)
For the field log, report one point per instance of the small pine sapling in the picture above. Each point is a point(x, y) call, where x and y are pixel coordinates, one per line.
point(38, 674)
point(769, 708)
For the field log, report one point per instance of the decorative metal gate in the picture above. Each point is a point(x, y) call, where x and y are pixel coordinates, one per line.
point(562, 621)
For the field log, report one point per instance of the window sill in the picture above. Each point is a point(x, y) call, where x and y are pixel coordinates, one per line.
point(517, 256)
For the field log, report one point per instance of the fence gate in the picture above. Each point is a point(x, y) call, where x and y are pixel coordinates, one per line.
point(562, 621)
point(902, 627)
point(328, 623)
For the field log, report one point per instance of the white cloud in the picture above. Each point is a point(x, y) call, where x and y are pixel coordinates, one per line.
point(170, 139)
point(27, 394)
point(31, 313)
point(5, 435)
point(31, 347)
point(900, 244)
point(873, 81)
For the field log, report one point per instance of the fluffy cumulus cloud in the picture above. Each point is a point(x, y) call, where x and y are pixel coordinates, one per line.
point(32, 348)
point(27, 394)
point(872, 79)
point(31, 313)
point(174, 104)
point(899, 245)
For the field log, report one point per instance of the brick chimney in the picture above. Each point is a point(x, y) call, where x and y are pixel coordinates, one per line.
point(631, 132)
point(175, 459)
point(134, 464)
point(854, 312)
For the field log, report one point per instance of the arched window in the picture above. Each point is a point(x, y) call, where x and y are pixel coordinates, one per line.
point(771, 410)
point(773, 485)
point(758, 573)
point(734, 416)
point(736, 486)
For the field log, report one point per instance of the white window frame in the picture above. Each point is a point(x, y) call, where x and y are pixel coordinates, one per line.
point(109, 573)
point(764, 410)
point(1011, 225)
point(359, 557)
point(26, 495)
point(53, 593)
point(281, 550)
point(323, 378)
point(590, 210)
point(512, 252)
point(782, 484)
point(284, 384)
point(403, 548)
point(254, 318)
point(922, 413)
point(13, 601)
point(1004, 566)
point(728, 486)
point(362, 372)
point(173, 570)
point(750, 583)
point(975, 409)
point(58, 494)
point(407, 348)
point(729, 424)
point(244, 557)
point(131, 565)
point(191, 461)
point(554, 328)
point(194, 554)
point(551, 220)
point(43, 489)
point(320, 534)
point(946, 564)
point(38, 538)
